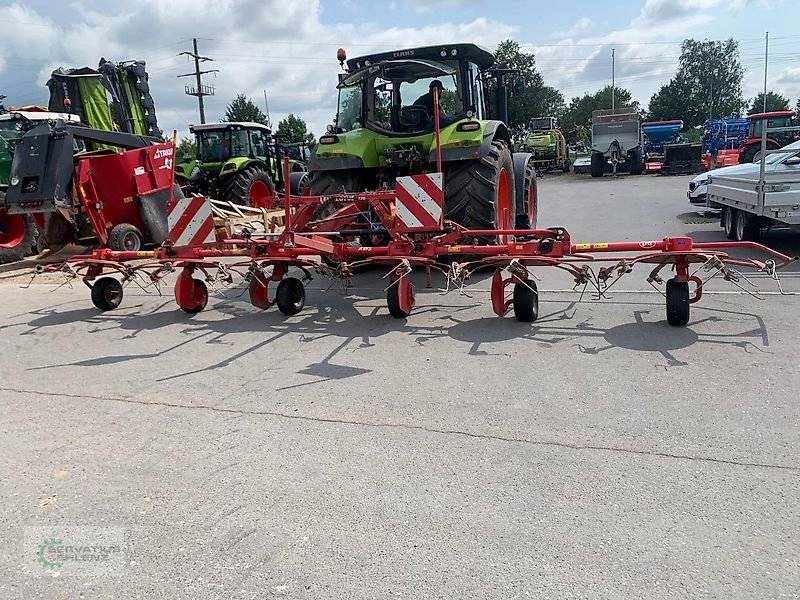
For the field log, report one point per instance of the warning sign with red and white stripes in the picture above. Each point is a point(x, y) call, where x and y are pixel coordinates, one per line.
point(418, 201)
point(190, 221)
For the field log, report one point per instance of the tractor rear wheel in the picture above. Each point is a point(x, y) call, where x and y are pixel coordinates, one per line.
point(480, 194)
point(251, 186)
point(526, 193)
point(598, 164)
point(748, 155)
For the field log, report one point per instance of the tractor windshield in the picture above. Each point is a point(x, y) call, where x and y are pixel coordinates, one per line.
point(350, 108)
point(757, 125)
point(398, 96)
point(219, 145)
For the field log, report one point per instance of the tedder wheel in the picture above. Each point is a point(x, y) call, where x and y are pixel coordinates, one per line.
point(250, 186)
point(526, 301)
point(290, 296)
point(200, 298)
point(393, 301)
point(566, 166)
point(125, 238)
point(480, 194)
point(106, 293)
point(677, 302)
point(598, 164)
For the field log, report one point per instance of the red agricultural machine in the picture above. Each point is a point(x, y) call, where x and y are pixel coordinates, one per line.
point(111, 198)
point(750, 148)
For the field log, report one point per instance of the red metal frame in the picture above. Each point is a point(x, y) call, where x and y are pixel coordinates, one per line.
point(305, 241)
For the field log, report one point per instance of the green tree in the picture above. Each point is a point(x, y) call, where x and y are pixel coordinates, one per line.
point(775, 101)
point(538, 99)
point(294, 129)
point(186, 147)
point(244, 109)
point(707, 84)
point(579, 112)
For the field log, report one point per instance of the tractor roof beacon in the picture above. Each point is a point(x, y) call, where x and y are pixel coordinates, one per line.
point(385, 128)
point(238, 162)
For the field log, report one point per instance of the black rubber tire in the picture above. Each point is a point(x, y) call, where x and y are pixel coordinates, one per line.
point(598, 164)
point(677, 303)
point(748, 155)
point(27, 247)
point(290, 297)
point(298, 182)
point(393, 302)
point(636, 162)
point(471, 188)
point(526, 301)
point(524, 177)
point(125, 238)
point(565, 168)
point(107, 293)
point(727, 217)
point(236, 187)
point(201, 286)
point(743, 229)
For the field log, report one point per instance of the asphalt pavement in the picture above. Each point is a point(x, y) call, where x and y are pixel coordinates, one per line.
point(342, 453)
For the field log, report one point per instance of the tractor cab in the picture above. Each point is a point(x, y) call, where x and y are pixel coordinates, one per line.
point(783, 118)
point(750, 148)
point(219, 143)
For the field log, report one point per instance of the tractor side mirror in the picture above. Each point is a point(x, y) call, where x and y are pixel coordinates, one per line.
point(519, 86)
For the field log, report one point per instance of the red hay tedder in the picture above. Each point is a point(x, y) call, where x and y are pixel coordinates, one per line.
point(407, 223)
point(399, 228)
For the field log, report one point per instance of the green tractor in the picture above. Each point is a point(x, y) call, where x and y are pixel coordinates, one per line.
point(240, 163)
point(385, 128)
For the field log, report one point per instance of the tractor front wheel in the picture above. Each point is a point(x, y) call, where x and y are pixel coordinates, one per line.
point(18, 235)
point(251, 186)
point(480, 194)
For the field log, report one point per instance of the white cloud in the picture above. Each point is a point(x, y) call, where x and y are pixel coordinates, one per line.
point(280, 46)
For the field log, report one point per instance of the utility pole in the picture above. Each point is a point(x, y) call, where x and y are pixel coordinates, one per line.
point(200, 89)
point(613, 76)
point(266, 106)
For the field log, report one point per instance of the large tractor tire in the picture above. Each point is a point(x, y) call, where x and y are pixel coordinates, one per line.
point(18, 235)
point(527, 199)
point(598, 164)
point(251, 186)
point(748, 155)
point(480, 194)
point(298, 182)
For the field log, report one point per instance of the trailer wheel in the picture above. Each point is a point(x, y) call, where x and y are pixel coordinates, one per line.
point(598, 164)
point(677, 302)
point(125, 238)
point(744, 228)
point(480, 194)
point(107, 293)
point(637, 164)
point(290, 296)
point(200, 297)
point(727, 218)
point(526, 301)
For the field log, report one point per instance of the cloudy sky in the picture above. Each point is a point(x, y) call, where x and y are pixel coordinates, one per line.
point(288, 47)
